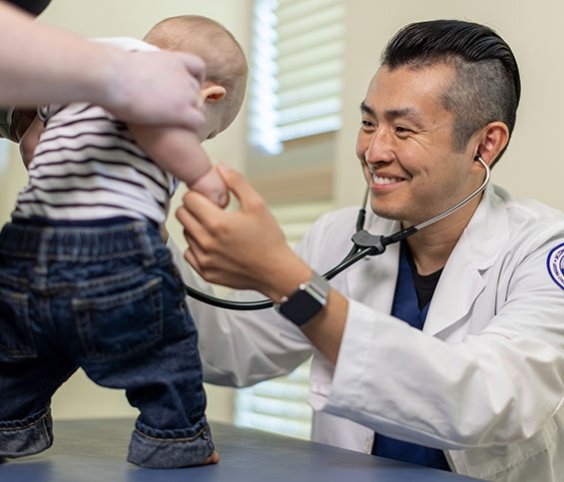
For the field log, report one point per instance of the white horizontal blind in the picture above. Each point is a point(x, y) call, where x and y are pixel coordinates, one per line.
point(280, 405)
point(296, 70)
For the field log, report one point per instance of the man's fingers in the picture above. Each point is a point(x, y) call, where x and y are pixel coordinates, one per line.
point(201, 209)
point(236, 183)
point(193, 232)
point(192, 260)
point(193, 229)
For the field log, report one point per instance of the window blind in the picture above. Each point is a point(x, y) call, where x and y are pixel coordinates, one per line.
point(280, 405)
point(296, 70)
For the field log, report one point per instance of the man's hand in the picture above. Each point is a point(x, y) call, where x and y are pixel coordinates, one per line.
point(246, 249)
point(243, 249)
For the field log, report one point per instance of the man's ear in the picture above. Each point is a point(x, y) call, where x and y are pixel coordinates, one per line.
point(212, 92)
point(493, 139)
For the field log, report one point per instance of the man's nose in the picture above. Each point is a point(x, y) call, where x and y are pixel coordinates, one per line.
point(380, 147)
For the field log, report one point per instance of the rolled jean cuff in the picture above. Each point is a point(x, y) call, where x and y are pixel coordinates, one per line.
point(28, 436)
point(163, 452)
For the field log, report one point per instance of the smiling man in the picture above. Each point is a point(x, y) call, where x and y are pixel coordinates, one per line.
point(447, 350)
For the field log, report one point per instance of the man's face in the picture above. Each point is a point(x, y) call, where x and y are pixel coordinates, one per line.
point(406, 146)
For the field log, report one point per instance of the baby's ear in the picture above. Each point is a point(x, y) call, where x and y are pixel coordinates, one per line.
point(213, 92)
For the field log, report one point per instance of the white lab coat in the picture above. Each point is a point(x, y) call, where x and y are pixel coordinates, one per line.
point(484, 380)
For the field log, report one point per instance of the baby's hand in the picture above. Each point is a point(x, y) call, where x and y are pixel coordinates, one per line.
point(211, 185)
point(29, 138)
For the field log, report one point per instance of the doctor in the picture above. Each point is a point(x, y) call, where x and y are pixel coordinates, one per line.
point(447, 350)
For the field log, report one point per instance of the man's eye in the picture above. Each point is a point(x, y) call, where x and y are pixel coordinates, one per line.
point(402, 130)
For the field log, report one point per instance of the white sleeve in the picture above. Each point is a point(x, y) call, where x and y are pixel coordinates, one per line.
point(240, 348)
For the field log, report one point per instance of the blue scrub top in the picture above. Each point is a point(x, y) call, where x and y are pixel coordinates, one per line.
point(406, 307)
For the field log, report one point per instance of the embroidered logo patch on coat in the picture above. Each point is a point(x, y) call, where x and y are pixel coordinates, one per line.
point(555, 265)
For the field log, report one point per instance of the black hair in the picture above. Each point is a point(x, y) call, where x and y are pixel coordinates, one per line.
point(487, 86)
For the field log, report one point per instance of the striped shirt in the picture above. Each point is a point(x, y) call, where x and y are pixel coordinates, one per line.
point(87, 167)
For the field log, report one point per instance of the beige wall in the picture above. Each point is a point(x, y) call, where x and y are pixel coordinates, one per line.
point(533, 165)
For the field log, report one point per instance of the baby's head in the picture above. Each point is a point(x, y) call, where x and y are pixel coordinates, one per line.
point(225, 82)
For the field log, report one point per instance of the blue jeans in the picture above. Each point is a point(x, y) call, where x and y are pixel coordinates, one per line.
point(108, 299)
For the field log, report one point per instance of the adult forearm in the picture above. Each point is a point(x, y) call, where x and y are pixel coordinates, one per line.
point(325, 330)
point(41, 64)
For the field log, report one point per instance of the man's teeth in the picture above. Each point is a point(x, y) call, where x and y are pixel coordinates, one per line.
point(384, 180)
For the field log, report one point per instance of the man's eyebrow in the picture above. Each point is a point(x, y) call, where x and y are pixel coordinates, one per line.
point(393, 114)
point(367, 110)
point(407, 113)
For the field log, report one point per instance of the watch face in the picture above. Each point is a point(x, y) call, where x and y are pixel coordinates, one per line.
point(308, 300)
point(301, 307)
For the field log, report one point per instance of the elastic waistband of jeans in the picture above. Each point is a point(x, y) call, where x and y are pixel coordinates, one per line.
point(38, 221)
point(113, 238)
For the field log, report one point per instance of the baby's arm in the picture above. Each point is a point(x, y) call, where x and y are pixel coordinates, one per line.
point(178, 151)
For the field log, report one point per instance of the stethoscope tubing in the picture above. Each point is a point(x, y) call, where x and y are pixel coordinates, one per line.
point(364, 244)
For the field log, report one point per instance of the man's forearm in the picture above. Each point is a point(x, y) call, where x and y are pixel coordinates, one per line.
point(325, 330)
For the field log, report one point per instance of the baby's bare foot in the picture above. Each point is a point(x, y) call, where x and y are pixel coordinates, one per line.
point(212, 459)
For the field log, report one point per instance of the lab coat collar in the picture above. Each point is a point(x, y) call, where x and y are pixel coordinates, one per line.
point(464, 275)
point(373, 280)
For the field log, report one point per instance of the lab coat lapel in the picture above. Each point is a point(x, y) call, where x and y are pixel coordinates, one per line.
point(464, 275)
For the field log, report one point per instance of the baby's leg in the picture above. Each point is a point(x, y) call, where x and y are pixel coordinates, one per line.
point(172, 430)
point(165, 383)
point(31, 369)
point(32, 365)
point(157, 363)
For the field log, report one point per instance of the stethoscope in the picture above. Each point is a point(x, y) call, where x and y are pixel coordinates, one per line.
point(364, 244)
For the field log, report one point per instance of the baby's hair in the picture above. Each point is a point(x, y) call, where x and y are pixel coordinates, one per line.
point(202, 36)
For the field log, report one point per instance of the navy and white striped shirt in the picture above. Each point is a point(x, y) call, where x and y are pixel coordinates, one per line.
point(88, 167)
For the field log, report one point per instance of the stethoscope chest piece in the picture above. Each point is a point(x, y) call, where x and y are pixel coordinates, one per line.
point(364, 239)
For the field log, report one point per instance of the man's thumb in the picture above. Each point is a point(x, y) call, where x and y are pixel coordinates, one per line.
point(238, 185)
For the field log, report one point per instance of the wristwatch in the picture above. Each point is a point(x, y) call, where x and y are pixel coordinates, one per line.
point(304, 303)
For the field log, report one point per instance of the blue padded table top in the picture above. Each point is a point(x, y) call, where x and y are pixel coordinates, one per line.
point(95, 451)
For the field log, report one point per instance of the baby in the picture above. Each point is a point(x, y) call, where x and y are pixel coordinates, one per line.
point(85, 278)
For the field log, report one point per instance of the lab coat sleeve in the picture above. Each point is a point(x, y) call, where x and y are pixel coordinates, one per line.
point(240, 348)
point(496, 386)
